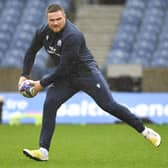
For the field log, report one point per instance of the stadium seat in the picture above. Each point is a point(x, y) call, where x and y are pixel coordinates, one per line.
point(1, 6)
point(4, 40)
point(12, 62)
point(117, 56)
point(159, 62)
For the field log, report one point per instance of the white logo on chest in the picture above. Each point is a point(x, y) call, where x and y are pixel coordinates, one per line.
point(59, 43)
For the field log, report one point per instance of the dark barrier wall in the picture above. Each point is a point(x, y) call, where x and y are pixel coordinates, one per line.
point(152, 80)
point(9, 79)
point(155, 80)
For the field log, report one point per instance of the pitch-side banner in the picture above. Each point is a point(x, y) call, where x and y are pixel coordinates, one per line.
point(81, 109)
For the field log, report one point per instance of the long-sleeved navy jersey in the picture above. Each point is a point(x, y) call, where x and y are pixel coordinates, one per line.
point(67, 49)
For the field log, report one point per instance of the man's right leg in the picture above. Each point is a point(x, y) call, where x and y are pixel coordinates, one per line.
point(56, 96)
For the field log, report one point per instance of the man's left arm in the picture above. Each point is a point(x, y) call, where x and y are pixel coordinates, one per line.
point(70, 52)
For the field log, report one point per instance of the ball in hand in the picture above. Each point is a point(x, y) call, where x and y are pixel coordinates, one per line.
point(27, 89)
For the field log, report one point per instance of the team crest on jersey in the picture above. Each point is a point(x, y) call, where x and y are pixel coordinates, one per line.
point(59, 43)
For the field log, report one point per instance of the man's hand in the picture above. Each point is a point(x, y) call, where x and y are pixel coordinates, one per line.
point(37, 85)
point(21, 79)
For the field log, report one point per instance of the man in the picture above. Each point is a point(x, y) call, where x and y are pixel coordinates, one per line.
point(76, 70)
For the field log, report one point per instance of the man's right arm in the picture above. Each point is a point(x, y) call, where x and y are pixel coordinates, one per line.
point(29, 57)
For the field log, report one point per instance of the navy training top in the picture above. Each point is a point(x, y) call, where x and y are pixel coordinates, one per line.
point(67, 49)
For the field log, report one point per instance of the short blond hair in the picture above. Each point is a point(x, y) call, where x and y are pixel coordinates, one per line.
point(54, 8)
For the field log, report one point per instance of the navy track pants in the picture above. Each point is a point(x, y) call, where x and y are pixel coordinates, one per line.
point(94, 85)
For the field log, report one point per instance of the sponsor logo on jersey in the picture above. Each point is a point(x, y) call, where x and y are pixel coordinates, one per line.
point(47, 37)
point(55, 50)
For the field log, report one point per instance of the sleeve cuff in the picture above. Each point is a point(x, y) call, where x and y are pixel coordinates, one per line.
point(43, 83)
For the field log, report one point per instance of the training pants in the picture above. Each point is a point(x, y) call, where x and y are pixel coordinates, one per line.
point(94, 85)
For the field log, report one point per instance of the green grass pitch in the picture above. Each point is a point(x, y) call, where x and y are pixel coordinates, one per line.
point(84, 146)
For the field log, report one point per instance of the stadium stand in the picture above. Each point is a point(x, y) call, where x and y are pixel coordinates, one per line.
point(140, 38)
point(31, 17)
point(126, 35)
point(150, 29)
point(9, 24)
point(160, 56)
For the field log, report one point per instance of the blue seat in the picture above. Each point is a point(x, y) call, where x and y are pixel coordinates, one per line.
point(28, 28)
point(2, 4)
point(4, 38)
point(161, 4)
point(38, 4)
point(117, 56)
point(159, 62)
point(6, 29)
point(124, 37)
point(12, 62)
point(3, 46)
point(15, 3)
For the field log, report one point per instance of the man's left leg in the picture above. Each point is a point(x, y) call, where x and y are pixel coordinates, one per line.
point(98, 89)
